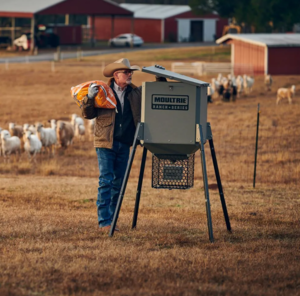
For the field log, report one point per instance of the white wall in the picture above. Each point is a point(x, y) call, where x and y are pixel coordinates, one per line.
point(184, 28)
point(209, 29)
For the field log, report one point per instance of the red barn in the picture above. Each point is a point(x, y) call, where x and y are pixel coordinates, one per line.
point(68, 34)
point(275, 54)
point(159, 23)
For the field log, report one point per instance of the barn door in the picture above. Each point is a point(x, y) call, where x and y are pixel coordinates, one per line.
point(196, 34)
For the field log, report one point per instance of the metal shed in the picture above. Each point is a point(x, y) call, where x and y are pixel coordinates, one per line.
point(276, 54)
point(159, 23)
point(29, 9)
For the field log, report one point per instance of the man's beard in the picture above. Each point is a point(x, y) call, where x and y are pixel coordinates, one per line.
point(128, 81)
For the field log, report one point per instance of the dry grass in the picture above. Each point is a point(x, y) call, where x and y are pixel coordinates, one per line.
point(49, 243)
point(52, 245)
point(208, 53)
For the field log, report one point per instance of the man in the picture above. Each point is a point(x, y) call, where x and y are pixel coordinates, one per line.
point(113, 134)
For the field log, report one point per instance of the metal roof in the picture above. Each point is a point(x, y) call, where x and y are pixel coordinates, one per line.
point(31, 6)
point(150, 11)
point(23, 8)
point(271, 40)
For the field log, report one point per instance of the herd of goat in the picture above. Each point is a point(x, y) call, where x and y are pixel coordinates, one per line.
point(231, 87)
point(33, 138)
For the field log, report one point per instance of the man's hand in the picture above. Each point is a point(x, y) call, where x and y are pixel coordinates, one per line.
point(93, 90)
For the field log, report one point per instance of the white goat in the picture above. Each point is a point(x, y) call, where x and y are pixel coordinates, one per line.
point(78, 125)
point(32, 145)
point(268, 82)
point(75, 120)
point(9, 144)
point(230, 76)
point(65, 133)
point(210, 93)
point(0, 141)
point(80, 131)
point(215, 85)
point(248, 83)
point(47, 136)
point(25, 127)
point(286, 93)
point(220, 77)
point(232, 79)
point(29, 127)
point(226, 83)
point(53, 123)
point(239, 85)
point(15, 130)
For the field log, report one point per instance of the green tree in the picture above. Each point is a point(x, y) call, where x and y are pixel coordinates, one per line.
point(264, 15)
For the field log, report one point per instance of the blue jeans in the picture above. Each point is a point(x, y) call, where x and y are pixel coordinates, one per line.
point(112, 167)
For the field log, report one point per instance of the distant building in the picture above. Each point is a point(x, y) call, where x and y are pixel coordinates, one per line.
point(38, 12)
point(160, 23)
point(275, 54)
point(296, 28)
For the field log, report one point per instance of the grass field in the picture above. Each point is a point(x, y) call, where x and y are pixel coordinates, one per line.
point(49, 242)
point(208, 53)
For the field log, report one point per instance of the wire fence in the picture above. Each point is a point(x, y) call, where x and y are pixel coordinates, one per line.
point(278, 157)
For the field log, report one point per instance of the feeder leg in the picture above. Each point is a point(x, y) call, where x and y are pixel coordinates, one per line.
point(204, 173)
point(124, 184)
point(139, 188)
point(214, 158)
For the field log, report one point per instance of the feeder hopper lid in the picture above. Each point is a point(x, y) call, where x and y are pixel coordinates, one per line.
point(162, 72)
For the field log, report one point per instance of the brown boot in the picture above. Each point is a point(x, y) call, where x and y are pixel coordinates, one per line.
point(105, 228)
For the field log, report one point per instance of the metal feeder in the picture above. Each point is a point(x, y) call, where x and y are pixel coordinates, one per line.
point(173, 127)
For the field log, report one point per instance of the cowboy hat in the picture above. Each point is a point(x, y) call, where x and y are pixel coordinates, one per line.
point(122, 64)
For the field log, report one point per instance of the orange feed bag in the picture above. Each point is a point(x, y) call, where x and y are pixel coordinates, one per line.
point(104, 99)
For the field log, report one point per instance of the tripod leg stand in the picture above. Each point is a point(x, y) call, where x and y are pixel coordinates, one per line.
point(204, 173)
point(124, 184)
point(139, 188)
point(214, 158)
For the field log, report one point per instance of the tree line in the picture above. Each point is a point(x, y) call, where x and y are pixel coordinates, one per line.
point(266, 16)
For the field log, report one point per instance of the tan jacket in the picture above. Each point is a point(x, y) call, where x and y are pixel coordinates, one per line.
point(105, 118)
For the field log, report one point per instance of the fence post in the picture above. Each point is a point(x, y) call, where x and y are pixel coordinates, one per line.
point(255, 159)
point(79, 54)
point(57, 55)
